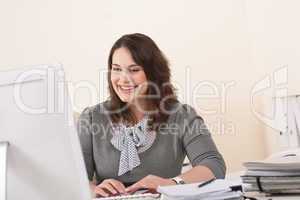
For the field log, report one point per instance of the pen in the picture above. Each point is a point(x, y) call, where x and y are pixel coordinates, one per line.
point(206, 182)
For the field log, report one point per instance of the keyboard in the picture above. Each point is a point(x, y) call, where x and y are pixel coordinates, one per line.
point(144, 196)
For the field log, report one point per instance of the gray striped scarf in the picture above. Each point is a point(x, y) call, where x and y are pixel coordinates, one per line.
point(131, 141)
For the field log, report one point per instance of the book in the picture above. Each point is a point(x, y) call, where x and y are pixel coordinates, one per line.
point(216, 190)
point(279, 175)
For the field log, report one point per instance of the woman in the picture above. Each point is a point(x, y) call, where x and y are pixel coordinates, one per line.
point(141, 135)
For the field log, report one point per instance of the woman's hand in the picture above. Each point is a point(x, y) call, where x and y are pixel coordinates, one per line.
point(150, 182)
point(109, 187)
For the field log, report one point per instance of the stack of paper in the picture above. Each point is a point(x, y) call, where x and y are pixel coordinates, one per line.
point(216, 190)
point(274, 176)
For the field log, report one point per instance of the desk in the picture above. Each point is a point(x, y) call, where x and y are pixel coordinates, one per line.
point(259, 196)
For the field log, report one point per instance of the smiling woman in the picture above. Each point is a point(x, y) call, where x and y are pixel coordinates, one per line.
point(127, 78)
point(140, 136)
point(140, 79)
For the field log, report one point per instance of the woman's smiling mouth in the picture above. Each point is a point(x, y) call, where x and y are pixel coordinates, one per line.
point(126, 89)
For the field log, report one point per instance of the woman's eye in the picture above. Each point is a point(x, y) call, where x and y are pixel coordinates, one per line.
point(134, 70)
point(116, 69)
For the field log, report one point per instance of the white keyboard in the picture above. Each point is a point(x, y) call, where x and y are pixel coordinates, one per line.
point(145, 196)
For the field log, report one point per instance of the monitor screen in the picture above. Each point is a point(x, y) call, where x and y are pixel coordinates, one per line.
point(44, 158)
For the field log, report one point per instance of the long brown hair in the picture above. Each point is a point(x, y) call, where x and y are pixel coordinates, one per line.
point(146, 54)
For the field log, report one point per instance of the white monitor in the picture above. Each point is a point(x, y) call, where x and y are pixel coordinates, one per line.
point(44, 158)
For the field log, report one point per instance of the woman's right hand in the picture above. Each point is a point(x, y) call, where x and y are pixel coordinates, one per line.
point(109, 187)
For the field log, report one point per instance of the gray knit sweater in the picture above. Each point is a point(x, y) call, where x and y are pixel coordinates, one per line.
point(183, 134)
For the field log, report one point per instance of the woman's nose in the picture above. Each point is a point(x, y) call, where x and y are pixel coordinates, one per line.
point(125, 78)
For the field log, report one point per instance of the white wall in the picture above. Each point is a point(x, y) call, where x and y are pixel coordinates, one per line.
point(220, 42)
point(274, 31)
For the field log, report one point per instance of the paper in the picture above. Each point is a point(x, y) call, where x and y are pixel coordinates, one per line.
point(189, 190)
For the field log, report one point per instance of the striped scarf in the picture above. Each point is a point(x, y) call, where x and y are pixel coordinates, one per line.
point(130, 141)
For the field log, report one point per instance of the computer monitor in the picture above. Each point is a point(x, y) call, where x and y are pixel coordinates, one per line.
point(44, 158)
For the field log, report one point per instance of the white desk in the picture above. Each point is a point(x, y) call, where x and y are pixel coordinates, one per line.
point(259, 196)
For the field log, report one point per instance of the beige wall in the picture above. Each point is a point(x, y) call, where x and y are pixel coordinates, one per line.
point(231, 44)
point(274, 31)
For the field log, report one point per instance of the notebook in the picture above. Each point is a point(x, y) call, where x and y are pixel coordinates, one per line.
point(216, 190)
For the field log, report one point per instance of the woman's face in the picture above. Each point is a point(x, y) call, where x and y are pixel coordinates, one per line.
point(128, 79)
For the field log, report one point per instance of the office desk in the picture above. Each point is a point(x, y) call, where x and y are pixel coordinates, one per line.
point(259, 196)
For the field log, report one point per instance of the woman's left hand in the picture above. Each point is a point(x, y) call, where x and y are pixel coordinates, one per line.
point(150, 182)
